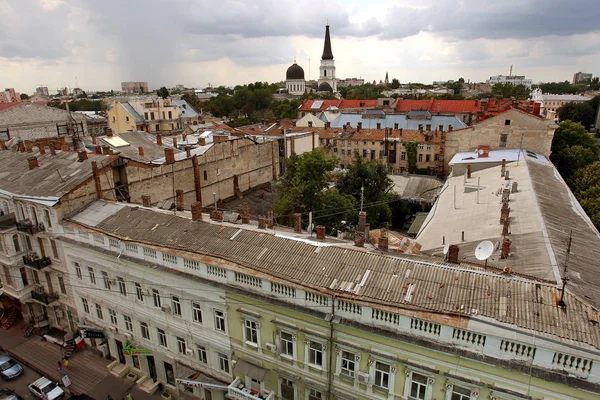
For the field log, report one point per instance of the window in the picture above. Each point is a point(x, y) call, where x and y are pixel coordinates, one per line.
point(61, 284)
point(196, 313)
point(138, 292)
point(218, 171)
point(152, 115)
point(169, 373)
point(36, 277)
point(128, 324)
point(287, 389)
point(105, 279)
point(460, 393)
point(503, 140)
point(219, 320)
point(122, 287)
point(315, 353)
point(24, 278)
point(162, 337)
point(113, 316)
point(181, 345)
point(170, 115)
point(86, 306)
point(421, 147)
point(145, 331)
point(382, 375)
point(176, 305)
point(403, 156)
point(348, 364)
point(427, 157)
point(126, 119)
point(92, 275)
point(507, 122)
point(314, 394)
point(251, 331)
point(224, 363)
point(418, 386)
point(202, 354)
point(54, 249)
point(205, 175)
point(99, 311)
point(420, 157)
point(78, 270)
point(149, 252)
point(156, 297)
point(287, 344)
point(145, 115)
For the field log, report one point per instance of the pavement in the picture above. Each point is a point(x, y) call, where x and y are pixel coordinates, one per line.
point(20, 384)
point(87, 370)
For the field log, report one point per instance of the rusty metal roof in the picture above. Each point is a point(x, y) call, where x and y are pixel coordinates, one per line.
point(377, 280)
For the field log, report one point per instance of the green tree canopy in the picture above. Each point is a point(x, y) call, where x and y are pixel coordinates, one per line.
point(560, 87)
point(505, 90)
point(586, 188)
point(163, 92)
point(193, 101)
point(24, 96)
point(571, 133)
point(395, 83)
point(573, 148)
point(582, 113)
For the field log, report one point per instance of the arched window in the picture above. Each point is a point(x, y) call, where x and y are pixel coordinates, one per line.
point(16, 243)
point(23, 215)
point(34, 217)
point(48, 220)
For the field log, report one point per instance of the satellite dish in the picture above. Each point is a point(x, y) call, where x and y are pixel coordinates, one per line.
point(446, 248)
point(484, 250)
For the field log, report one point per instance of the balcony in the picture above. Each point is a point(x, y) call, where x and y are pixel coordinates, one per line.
point(25, 225)
point(40, 295)
point(35, 261)
point(236, 390)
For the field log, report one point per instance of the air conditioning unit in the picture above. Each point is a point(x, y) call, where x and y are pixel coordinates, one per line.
point(189, 352)
point(362, 377)
point(127, 335)
point(271, 347)
point(165, 309)
point(113, 328)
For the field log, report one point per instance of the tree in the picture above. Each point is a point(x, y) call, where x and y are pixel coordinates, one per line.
point(571, 133)
point(304, 187)
point(586, 188)
point(193, 101)
point(573, 148)
point(163, 92)
point(395, 83)
point(505, 90)
point(582, 113)
point(24, 96)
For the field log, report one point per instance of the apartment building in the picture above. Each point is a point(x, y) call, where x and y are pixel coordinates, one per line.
point(148, 115)
point(371, 326)
point(135, 87)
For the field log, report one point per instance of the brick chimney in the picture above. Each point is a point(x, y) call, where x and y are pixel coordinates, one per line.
point(362, 221)
point(28, 147)
point(505, 248)
point(401, 130)
point(42, 149)
point(197, 211)
point(327, 125)
point(298, 222)
point(97, 181)
point(98, 149)
point(244, 211)
point(218, 215)
point(109, 133)
point(358, 126)
point(33, 162)
point(141, 151)
point(3, 145)
point(320, 232)
point(428, 127)
point(450, 128)
point(469, 171)
point(146, 202)
point(504, 214)
point(106, 150)
point(82, 156)
point(179, 202)
point(52, 149)
point(175, 142)
point(93, 139)
point(383, 241)
point(505, 228)
point(441, 128)
point(270, 219)
point(201, 141)
point(359, 239)
point(453, 254)
point(169, 155)
point(159, 140)
point(188, 151)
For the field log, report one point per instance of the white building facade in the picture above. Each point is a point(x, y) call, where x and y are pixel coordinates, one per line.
point(512, 79)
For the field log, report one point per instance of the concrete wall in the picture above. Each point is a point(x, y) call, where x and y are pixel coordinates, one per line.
point(251, 163)
point(525, 131)
point(301, 144)
point(117, 119)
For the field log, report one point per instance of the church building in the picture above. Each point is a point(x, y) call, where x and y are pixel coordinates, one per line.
point(294, 79)
point(327, 80)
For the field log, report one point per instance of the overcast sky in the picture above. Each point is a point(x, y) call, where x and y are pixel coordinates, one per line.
point(229, 42)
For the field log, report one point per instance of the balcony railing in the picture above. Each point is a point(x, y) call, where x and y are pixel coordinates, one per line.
point(25, 225)
point(40, 295)
point(238, 391)
point(35, 261)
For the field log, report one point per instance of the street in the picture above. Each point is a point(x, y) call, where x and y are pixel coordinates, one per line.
point(20, 383)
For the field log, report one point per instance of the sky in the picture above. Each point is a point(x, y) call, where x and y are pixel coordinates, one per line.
point(96, 44)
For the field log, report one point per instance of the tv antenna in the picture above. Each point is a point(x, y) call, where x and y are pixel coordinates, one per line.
point(561, 302)
point(483, 251)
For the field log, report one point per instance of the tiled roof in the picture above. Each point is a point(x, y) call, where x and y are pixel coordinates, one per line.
point(321, 105)
point(444, 106)
point(4, 106)
point(376, 279)
point(403, 122)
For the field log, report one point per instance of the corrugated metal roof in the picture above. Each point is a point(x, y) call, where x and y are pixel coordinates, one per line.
point(390, 120)
point(129, 108)
point(185, 108)
point(434, 286)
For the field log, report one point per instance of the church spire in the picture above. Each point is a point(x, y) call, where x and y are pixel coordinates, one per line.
point(327, 54)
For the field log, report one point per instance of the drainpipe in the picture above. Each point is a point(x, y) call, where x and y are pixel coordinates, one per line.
point(331, 350)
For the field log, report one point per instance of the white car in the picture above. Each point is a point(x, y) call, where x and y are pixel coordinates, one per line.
point(45, 389)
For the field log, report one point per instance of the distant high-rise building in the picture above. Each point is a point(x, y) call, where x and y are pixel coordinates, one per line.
point(582, 77)
point(43, 91)
point(134, 87)
point(10, 96)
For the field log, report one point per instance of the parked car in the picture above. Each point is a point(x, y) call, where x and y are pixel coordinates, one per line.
point(7, 394)
point(45, 389)
point(9, 368)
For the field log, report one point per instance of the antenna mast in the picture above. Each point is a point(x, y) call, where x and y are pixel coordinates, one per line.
point(561, 303)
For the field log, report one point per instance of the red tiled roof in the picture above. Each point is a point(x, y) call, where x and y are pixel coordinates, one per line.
point(341, 104)
point(445, 106)
point(5, 106)
point(224, 127)
point(358, 103)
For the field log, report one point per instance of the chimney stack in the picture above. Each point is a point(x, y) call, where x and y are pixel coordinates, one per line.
point(244, 212)
point(505, 248)
point(262, 223)
point(270, 219)
point(358, 126)
point(33, 162)
point(109, 133)
point(197, 179)
point(28, 147)
point(94, 140)
point(383, 241)
point(82, 156)
point(441, 128)
point(428, 127)
point(327, 125)
point(52, 149)
point(201, 141)
point(505, 228)
point(450, 128)
point(98, 149)
point(469, 171)
point(504, 213)
point(197, 211)
point(362, 221)
point(453, 254)
point(359, 239)
point(320, 232)
point(298, 222)
point(175, 142)
point(97, 181)
point(159, 140)
point(216, 214)
point(141, 151)
point(106, 150)
point(188, 151)
point(169, 155)
point(3, 145)
point(42, 149)
point(146, 201)
point(179, 202)
point(506, 175)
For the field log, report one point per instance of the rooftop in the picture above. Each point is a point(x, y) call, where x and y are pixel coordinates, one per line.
point(185, 108)
point(127, 145)
point(417, 187)
point(391, 120)
point(377, 280)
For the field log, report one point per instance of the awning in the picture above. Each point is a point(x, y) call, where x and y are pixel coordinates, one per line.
point(253, 371)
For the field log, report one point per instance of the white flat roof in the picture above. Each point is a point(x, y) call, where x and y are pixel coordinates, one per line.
point(495, 156)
